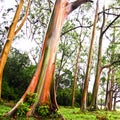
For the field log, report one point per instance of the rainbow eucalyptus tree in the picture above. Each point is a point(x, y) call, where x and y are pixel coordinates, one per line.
point(13, 30)
point(43, 77)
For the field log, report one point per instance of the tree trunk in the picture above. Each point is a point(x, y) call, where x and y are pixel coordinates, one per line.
point(11, 34)
point(61, 10)
point(107, 89)
point(111, 91)
point(85, 90)
point(46, 65)
point(76, 72)
point(114, 105)
point(98, 69)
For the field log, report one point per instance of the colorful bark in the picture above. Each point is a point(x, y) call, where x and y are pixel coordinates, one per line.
point(61, 10)
point(7, 46)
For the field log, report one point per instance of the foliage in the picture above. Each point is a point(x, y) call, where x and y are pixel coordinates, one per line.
point(22, 109)
point(17, 75)
point(64, 97)
point(31, 98)
point(43, 110)
point(71, 114)
point(8, 92)
point(3, 109)
point(25, 107)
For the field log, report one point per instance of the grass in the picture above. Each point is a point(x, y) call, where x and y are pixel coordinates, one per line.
point(73, 114)
point(4, 109)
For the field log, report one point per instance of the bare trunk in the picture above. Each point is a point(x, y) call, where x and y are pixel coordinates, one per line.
point(98, 69)
point(85, 90)
point(11, 34)
point(76, 74)
point(114, 105)
point(107, 89)
point(111, 91)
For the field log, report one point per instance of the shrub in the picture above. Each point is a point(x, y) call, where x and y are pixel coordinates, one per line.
point(25, 107)
point(22, 109)
point(43, 110)
point(31, 98)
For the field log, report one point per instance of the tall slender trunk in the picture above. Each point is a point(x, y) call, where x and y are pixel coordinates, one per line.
point(112, 77)
point(114, 105)
point(11, 34)
point(98, 69)
point(85, 90)
point(76, 71)
point(110, 101)
point(107, 89)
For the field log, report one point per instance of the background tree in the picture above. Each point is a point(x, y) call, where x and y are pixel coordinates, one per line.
point(98, 69)
point(85, 90)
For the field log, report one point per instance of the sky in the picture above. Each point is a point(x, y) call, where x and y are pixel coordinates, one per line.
point(23, 44)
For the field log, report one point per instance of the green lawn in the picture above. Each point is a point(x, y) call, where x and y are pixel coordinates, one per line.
point(74, 114)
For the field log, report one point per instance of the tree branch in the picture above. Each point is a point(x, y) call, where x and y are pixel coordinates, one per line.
point(76, 28)
point(77, 3)
point(24, 19)
point(109, 65)
point(111, 24)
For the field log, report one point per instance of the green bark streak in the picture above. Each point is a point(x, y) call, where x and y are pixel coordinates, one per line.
point(42, 75)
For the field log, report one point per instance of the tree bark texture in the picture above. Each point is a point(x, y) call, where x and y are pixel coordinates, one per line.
point(61, 10)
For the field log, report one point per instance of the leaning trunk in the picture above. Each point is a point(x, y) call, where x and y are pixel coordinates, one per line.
point(11, 34)
point(61, 10)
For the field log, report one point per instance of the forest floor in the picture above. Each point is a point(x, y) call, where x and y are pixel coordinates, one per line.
point(70, 114)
